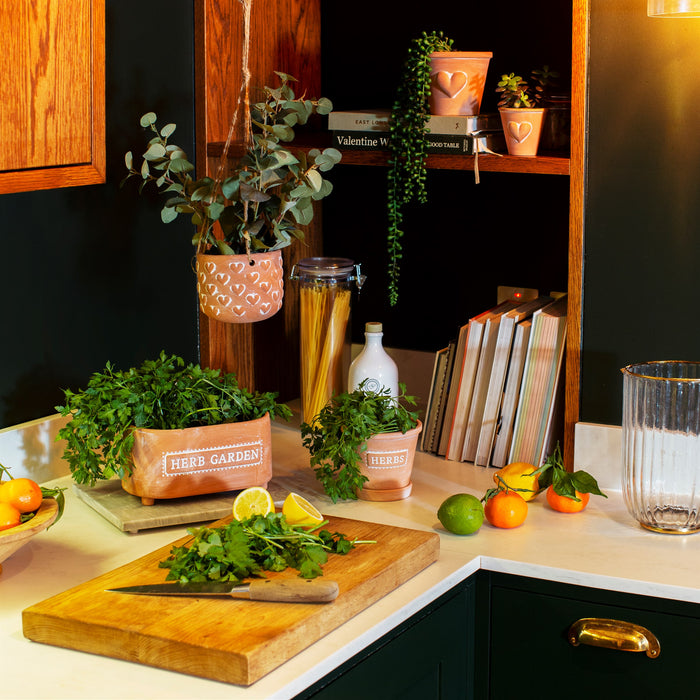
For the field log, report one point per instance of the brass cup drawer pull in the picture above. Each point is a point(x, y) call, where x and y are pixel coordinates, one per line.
point(613, 634)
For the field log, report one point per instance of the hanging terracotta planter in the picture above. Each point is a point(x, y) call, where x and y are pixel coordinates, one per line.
point(457, 81)
point(195, 461)
point(240, 288)
point(388, 462)
point(522, 128)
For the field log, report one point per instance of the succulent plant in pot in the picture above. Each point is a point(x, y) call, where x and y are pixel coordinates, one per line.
point(362, 444)
point(169, 429)
point(521, 110)
point(261, 207)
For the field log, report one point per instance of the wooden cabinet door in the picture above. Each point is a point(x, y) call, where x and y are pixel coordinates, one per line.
point(52, 94)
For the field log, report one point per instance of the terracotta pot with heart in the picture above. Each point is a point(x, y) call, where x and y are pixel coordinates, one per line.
point(457, 81)
point(522, 127)
point(240, 288)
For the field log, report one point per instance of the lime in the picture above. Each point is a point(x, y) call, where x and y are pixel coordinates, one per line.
point(461, 514)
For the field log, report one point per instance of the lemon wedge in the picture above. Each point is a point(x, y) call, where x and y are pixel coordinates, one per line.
point(252, 501)
point(298, 511)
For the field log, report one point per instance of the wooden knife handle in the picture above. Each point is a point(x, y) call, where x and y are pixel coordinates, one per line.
point(293, 590)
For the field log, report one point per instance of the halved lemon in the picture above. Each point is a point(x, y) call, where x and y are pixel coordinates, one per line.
point(252, 501)
point(298, 511)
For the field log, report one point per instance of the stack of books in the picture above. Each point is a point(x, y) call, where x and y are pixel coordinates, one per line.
point(368, 130)
point(496, 391)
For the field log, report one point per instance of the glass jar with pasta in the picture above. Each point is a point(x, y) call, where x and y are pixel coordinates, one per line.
point(325, 290)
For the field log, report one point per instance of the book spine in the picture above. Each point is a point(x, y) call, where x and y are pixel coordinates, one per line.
point(359, 121)
point(376, 141)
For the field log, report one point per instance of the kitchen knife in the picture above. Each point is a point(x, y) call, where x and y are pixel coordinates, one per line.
point(281, 591)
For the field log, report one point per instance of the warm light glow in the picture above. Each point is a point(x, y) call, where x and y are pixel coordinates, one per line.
point(673, 8)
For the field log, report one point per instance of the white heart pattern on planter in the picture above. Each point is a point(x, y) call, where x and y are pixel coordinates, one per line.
point(236, 291)
point(451, 83)
point(520, 130)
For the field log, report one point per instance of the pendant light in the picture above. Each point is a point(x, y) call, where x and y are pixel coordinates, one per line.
point(673, 8)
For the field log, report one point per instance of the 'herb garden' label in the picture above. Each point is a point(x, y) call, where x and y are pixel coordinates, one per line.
point(237, 456)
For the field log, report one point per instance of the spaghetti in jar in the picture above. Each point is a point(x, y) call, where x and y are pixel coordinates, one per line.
point(325, 289)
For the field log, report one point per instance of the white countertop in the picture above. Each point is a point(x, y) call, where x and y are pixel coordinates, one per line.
point(603, 547)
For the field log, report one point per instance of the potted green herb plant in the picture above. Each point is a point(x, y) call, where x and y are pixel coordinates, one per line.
point(260, 208)
point(520, 108)
point(169, 429)
point(435, 80)
point(362, 444)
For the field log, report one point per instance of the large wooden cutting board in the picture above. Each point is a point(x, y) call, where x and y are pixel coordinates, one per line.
point(225, 639)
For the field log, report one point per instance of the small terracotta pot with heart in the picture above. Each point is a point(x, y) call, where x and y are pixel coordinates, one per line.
point(240, 288)
point(522, 128)
point(457, 81)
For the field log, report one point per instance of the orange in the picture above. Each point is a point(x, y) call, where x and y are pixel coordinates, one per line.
point(9, 516)
point(23, 494)
point(506, 509)
point(564, 504)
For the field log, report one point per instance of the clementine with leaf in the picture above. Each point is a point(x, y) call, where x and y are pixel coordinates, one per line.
point(504, 507)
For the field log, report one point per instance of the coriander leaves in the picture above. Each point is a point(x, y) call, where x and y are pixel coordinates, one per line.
point(250, 547)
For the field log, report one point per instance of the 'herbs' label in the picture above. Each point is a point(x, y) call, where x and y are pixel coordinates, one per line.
point(389, 459)
point(236, 456)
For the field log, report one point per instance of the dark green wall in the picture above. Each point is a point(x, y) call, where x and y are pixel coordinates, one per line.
point(642, 221)
point(91, 274)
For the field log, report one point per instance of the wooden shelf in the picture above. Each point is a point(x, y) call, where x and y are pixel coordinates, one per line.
point(539, 165)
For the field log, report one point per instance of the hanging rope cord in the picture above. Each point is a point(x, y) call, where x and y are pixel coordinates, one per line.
point(244, 103)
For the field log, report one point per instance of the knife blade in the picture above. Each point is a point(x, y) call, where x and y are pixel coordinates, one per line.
point(281, 590)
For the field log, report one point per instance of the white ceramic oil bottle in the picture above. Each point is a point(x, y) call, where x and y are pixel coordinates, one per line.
point(374, 364)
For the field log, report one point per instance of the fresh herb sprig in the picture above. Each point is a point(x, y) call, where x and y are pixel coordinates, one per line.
point(162, 394)
point(250, 547)
point(340, 432)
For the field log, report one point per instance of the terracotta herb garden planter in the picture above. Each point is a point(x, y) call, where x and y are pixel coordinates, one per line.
point(387, 463)
point(195, 461)
point(240, 288)
point(458, 79)
point(522, 128)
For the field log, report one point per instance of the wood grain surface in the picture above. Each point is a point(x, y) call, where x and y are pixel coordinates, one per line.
point(224, 639)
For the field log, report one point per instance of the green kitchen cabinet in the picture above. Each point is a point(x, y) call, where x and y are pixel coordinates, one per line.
point(427, 657)
point(525, 644)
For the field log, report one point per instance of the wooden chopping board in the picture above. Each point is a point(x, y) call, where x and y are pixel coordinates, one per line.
point(225, 639)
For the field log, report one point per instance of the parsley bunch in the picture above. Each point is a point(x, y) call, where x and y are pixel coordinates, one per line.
point(246, 548)
point(162, 394)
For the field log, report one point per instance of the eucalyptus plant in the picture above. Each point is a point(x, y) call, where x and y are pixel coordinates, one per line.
point(163, 394)
point(339, 433)
point(516, 92)
point(268, 197)
point(408, 144)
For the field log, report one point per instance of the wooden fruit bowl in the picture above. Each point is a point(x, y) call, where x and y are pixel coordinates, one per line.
point(14, 538)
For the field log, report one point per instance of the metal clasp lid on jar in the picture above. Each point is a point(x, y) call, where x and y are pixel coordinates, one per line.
point(328, 270)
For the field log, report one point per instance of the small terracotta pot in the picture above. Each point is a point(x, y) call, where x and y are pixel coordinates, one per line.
point(195, 461)
point(240, 288)
point(387, 463)
point(457, 79)
point(522, 128)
